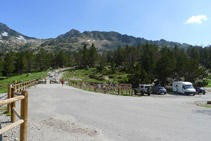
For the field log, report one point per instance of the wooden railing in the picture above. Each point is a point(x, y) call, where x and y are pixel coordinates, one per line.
point(119, 89)
point(18, 92)
point(19, 87)
point(23, 96)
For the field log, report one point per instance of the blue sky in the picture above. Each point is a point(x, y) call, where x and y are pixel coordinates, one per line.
point(185, 21)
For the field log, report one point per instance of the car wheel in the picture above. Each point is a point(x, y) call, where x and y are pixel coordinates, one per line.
point(194, 94)
point(135, 92)
point(204, 93)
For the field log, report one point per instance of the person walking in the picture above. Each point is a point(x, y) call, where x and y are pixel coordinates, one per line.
point(62, 82)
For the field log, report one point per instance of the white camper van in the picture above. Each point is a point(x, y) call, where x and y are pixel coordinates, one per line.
point(183, 87)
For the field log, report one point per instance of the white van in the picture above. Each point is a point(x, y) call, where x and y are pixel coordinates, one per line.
point(183, 87)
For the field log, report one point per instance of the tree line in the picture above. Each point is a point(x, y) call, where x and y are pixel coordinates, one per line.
point(150, 63)
point(144, 63)
point(14, 63)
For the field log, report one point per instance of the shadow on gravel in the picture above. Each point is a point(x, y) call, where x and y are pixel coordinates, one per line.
point(206, 112)
point(4, 122)
point(3, 96)
point(174, 94)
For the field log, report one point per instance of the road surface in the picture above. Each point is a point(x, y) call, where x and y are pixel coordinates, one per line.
point(66, 113)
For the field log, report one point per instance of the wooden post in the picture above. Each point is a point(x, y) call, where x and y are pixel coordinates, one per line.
point(24, 116)
point(13, 105)
point(118, 90)
point(95, 87)
point(21, 86)
point(138, 92)
point(9, 96)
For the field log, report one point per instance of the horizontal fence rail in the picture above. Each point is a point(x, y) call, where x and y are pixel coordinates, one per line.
point(17, 92)
point(23, 97)
point(119, 89)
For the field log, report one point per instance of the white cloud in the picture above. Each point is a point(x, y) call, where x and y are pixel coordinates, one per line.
point(197, 19)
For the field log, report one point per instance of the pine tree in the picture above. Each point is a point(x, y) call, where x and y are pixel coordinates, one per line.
point(20, 63)
point(138, 76)
point(9, 66)
point(30, 61)
point(113, 67)
point(93, 56)
point(85, 57)
point(165, 65)
point(42, 60)
point(1, 65)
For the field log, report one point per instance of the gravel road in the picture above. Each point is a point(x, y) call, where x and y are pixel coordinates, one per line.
point(59, 113)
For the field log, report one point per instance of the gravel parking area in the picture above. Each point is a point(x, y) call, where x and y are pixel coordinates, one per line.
point(66, 113)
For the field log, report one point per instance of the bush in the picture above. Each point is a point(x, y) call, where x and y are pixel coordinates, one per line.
point(111, 76)
point(93, 76)
point(202, 83)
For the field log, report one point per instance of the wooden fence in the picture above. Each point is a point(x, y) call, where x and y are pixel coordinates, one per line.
point(18, 92)
point(103, 87)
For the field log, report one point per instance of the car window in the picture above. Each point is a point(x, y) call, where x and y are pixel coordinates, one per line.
point(188, 86)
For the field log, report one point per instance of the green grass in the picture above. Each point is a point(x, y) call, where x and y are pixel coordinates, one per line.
point(206, 105)
point(4, 82)
point(92, 75)
point(209, 83)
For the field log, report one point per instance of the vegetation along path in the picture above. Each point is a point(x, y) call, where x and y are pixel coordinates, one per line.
point(67, 113)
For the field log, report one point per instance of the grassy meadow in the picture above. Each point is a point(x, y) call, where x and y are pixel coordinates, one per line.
point(92, 75)
point(4, 82)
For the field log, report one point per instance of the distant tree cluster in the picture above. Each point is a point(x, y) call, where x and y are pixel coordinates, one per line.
point(13, 63)
point(144, 63)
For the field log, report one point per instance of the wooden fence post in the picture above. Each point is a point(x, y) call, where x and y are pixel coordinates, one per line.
point(24, 116)
point(13, 105)
point(9, 96)
point(95, 87)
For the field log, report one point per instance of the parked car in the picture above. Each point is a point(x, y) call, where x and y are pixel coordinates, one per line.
point(159, 90)
point(200, 90)
point(143, 89)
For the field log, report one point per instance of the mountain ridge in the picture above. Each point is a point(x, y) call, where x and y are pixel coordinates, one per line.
point(74, 40)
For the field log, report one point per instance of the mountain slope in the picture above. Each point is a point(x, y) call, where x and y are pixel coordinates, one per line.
point(73, 40)
point(13, 40)
point(102, 40)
